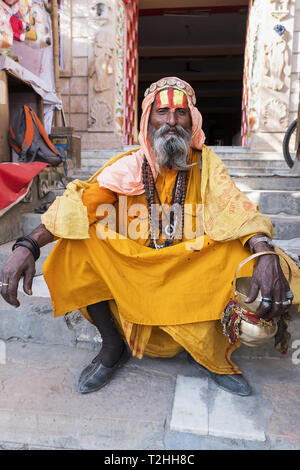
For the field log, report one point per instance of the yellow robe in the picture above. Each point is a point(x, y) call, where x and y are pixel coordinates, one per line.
point(166, 300)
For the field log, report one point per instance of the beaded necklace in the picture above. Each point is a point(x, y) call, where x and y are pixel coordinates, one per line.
point(178, 198)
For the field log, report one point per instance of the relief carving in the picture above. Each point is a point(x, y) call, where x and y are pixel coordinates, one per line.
point(275, 115)
point(101, 68)
point(282, 9)
point(100, 116)
point(276, 60)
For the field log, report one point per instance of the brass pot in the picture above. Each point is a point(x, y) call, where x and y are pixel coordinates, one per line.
point(252, 334)
point(256, 335)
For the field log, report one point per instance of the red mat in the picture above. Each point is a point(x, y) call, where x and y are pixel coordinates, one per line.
point(15, 179)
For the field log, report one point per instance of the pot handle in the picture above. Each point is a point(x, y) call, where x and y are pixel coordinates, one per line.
point(255, 255)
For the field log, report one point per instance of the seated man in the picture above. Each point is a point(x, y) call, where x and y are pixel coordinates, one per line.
point(153, 281)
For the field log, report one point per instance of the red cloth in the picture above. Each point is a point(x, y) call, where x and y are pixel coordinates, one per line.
point(15, 181)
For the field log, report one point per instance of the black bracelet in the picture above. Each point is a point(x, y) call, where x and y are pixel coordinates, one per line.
point(33, 243)
point(29, 247)
point(33, 246)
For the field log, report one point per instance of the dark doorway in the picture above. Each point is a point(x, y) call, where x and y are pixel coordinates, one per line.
point(205, 47)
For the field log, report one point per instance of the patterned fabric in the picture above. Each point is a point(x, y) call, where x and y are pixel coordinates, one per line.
point(131, 15)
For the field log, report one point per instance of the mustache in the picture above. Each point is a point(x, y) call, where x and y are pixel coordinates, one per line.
point(176, 130)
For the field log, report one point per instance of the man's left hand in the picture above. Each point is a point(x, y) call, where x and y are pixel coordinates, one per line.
point(270, 280)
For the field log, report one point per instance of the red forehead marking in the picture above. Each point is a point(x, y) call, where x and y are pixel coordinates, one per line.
point(171, 98)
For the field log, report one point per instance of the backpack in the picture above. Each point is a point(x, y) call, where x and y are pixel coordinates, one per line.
point(27, 136)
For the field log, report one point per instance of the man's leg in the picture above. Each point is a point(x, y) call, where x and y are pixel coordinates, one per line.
point(112, 343)
point(113, 352)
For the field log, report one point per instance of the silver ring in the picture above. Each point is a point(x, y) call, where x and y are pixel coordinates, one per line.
point(3, 284)
point(266, 300)
point(266, 304)
point(286, 302)
point(289, 295)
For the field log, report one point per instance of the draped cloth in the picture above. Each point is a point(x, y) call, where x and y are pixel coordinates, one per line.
point(166, 300)
point(176, 290)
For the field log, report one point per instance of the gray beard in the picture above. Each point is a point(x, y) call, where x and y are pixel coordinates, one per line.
point(172, 150)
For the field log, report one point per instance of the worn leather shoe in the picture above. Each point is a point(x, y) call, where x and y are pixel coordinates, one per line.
point(233, 383)
point(96, 375)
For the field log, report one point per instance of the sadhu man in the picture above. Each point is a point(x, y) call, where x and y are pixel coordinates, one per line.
point(134, 271)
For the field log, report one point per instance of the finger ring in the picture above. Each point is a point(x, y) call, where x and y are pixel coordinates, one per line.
point(266, 300)
point(277, 303)
point(286, 302)
point(266, 304)
point(3, 284)
point(289, 295)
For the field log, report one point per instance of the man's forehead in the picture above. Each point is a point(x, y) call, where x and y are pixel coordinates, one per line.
point(171, 98)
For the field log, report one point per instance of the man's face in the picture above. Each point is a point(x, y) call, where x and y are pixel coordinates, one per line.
point(170, 113)
point(170, 127)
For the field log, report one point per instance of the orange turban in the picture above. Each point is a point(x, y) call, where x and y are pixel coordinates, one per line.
point(125, 175)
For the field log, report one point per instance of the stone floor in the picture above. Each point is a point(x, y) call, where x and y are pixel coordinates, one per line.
point(160, 404)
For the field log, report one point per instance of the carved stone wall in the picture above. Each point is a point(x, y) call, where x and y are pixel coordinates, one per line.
point(88, 84)
point(101, 63)
point(277, 70)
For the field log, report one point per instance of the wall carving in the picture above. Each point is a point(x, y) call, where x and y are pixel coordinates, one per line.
point(101, 115)
point(275, 115)
point(276, 61)
point(282, 9)
point(101, 67)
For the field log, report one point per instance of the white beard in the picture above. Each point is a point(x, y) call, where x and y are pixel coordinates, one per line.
point(171, 149)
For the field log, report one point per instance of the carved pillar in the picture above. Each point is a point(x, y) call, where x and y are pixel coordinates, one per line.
point(268, 73)
point(101, 63)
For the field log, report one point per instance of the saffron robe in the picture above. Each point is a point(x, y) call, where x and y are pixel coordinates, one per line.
point(162, 300)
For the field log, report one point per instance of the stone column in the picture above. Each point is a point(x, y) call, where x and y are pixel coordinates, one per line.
point(273, 66)
point(102, 74)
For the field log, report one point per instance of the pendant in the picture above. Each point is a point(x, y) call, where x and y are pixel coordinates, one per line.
point(170, 230)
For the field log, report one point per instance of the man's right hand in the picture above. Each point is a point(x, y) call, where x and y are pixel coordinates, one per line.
point(20, 263)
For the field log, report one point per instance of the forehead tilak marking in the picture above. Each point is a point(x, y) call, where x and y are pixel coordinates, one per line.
point(171, 98)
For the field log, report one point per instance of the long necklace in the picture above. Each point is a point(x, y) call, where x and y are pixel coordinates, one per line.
point(178, 198)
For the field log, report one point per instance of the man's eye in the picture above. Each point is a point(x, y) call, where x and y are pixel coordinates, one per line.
point(181, 111)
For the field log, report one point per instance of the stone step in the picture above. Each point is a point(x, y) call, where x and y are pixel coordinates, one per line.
point(159, 404)
point(236, 171)
point(249, 163)
point(274, 202)
point(267, 182)
point(34, 321)
point(30, 221)
point(285, 226)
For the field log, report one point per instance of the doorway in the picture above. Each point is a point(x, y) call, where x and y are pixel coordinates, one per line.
point(204, 46)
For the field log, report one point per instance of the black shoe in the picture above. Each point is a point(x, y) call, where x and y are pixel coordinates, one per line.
point(233, 383)
point(96, 375)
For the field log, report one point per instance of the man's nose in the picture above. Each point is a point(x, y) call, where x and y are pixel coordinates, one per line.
point(171, 119)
